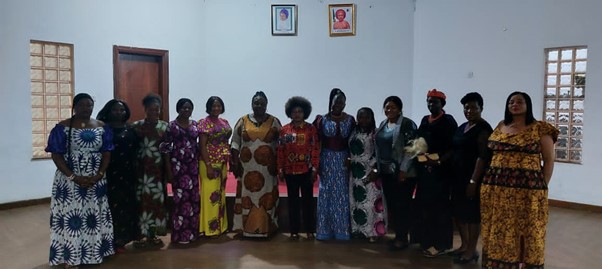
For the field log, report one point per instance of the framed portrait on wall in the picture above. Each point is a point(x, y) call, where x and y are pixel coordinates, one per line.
point(341, 19)
point(284, 19)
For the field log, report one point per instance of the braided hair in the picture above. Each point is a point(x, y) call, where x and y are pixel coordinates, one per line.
point(260, 94)
point(76, 100)
point(334, 93)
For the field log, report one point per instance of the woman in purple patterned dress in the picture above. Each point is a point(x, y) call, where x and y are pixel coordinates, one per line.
point(183, 170)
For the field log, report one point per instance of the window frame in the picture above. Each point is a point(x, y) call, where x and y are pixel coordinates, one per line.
point(567, 99)
point(45, 90)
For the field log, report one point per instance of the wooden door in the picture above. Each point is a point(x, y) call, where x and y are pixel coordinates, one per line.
point(138, 72)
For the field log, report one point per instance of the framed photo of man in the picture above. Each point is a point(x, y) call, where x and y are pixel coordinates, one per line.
point(284, 19)
point(341, 19)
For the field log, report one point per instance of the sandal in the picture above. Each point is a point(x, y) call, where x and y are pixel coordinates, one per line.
point(432, 252)
point(156, 241)
point(295, 237)
point(142, 243)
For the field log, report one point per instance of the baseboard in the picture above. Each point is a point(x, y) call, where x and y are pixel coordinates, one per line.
point(25, 203)
point(577, 206)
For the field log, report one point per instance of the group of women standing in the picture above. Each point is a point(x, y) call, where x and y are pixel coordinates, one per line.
point(110, 184)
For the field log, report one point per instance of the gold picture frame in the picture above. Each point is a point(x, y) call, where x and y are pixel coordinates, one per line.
point(341, 19)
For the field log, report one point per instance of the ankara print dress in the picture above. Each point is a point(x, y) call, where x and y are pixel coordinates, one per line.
point(333, 197)
point(81, 227)
point(182, 146)
point(368, 214)
point(257, 191)
point(514, 199)
point(151, 191)
point(213, 220)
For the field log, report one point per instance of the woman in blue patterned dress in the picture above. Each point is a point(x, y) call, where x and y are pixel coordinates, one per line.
point(81, 227)
point(183, 170)
point(368, 214)
point(334, 129)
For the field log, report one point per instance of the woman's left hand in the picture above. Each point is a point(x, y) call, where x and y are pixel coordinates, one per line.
point(471, 191)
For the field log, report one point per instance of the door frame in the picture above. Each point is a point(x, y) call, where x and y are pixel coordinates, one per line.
point(163, 56)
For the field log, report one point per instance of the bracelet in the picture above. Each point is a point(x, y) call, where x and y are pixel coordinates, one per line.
point(472, 181)
point(71, 177)
point(102, 174)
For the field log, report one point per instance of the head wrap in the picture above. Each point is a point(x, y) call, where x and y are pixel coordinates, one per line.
point(435, 93)
point(285, 12)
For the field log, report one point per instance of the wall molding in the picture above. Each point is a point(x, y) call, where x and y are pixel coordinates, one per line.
point(576, 206)
point(18, 204)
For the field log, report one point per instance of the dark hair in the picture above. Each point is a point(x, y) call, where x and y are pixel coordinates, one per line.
point(210, 102)
point(181, 103)
point(333, 93)
point(472, 97)
point(103, 114)
point(370, 115)
point(298, 101)
point(528, 118)
point(150, 99)
point(395, 100)
point(81, 96)
point(260, 94)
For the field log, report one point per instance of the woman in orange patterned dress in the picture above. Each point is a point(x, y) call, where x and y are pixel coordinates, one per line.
point(514, 192)
point(253, 161)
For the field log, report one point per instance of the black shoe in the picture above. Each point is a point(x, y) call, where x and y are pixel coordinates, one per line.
point(398, 245)
point(461, 260)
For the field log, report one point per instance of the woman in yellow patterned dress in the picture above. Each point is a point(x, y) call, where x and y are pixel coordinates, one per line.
point(253, 161)
point(214, 133)
point(514, 192)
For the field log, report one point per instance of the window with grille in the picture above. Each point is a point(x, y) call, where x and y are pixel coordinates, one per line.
point(51, 74)
point(564, 98)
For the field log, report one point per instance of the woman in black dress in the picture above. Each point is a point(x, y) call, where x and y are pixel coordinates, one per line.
point(435, 232)
point(471, 157)
point(121, 177)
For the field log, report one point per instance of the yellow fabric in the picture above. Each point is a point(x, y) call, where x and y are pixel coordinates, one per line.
point(213, 220)
point(514, 199)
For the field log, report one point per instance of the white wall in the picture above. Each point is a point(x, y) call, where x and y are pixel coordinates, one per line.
point(215, 47)
point(502, 43)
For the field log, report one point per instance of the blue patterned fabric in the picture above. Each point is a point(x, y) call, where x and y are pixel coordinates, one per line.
point(333, 199)
point(81, 227)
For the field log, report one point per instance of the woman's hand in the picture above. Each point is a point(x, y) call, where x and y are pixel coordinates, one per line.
point(86, 181)
point(210, 171)
point(372, 175)
point(471, 191)
point(169, 176)
point(402, 176)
